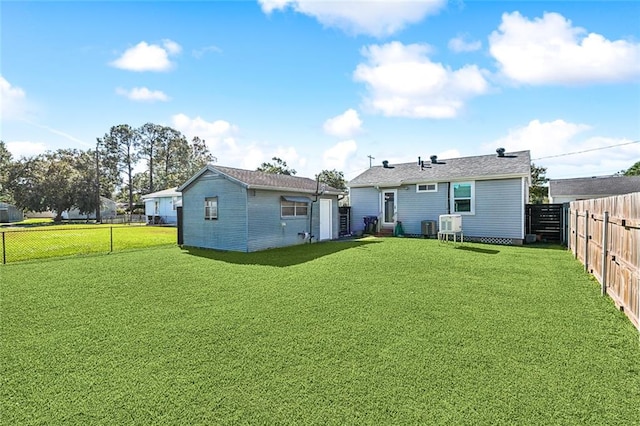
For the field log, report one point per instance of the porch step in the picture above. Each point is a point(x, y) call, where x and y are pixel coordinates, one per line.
point(385, 232)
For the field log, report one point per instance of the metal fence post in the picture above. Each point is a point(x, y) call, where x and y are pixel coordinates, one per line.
point(605, 246)
point(4, 253)
point(586, 240)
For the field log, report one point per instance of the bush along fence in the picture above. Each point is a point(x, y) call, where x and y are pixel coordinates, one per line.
point(604, 234)
point(45, 242)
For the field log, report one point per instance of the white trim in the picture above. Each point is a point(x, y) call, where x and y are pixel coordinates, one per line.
point(326, 219)
point(435, 187)
point(525, 200)
point(473, 198)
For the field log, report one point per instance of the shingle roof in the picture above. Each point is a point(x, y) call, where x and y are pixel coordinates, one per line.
point(515, 164)
point(262, 180)
point(597, 185)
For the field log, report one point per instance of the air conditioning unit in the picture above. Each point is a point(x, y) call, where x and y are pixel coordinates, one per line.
point(429, 228)
point(450, 223)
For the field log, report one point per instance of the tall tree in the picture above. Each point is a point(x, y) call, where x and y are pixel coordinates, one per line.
point(6, 161)
point(152, 138)
point(333, 178)
point(633, 170)
point(56, 181)
point(121, 154)
point(278, 167)
point(538, 190)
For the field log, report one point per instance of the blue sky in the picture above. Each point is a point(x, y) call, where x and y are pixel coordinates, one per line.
point(326, 84)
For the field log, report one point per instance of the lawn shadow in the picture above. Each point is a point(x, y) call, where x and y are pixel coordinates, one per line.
point(280, 257)
point(546, 246)
point(478, 250)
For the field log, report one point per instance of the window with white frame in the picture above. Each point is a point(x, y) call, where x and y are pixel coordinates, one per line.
point(463, 197)
point(427, 187)
point(211, 208)
point(294, 206)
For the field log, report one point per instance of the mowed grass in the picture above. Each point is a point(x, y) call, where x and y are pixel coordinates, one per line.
point(376, 331)
point(67, 240)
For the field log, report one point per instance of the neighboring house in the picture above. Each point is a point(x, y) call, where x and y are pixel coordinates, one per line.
point(161, 206)
point(489, 191)
point(10, 213)
point(242, 210)
point(567, 190)
point(107, 211)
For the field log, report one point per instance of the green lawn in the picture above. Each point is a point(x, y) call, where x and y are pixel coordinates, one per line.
point(376, 331)
point(66, 240)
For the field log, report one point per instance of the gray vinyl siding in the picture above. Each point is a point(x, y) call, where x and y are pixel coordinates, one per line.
point(364, 202)
point(498, 210)
point(229, 231)
point(414, 207)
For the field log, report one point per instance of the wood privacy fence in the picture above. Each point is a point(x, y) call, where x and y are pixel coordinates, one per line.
point(604, 234)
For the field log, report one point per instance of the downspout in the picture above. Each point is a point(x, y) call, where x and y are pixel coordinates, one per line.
point(448, 197)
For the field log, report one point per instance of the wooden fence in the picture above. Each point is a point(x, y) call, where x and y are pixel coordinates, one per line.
point(604, 234)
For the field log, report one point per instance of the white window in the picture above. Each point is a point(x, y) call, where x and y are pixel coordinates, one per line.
point(427, 187)
point(463, 197)
point(294, 206)
point(211, 208)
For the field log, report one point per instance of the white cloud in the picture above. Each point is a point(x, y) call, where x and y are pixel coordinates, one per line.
point(336, 157)
point(373, 17)
point(549, 50)
point(199, 53)
point(344, 125)
point(142, 94)
point(461, 44)
point(12, 99)
point(148, 57)
point(20, 149)
point(549, 141)
point(402, 81)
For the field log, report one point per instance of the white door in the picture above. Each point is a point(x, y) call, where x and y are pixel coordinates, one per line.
point(389, 207)
point(326, 219)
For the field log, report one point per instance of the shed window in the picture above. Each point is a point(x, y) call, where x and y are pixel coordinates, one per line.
point(427, 187)
point(294, 206)
point(211, 208)
point(463, 197)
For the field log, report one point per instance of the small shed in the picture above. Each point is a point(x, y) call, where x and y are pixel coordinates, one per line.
point(161, 206)
point(10, 213)
point(233, 209)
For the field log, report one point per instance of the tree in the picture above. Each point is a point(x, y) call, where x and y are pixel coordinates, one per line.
point(120, 147)
point(5, 164)
point(538, 191)
point(333, 178)
point(633, 170)
point(56, 181)
point(279, 168)
point(152, 138)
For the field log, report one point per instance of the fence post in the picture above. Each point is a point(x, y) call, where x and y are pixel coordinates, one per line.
point(586, 240)
point(605, 246)
point(575, 242)
point(111, 239)
point(4, 253)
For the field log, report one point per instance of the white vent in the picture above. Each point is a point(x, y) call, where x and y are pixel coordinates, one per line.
point(450, 223)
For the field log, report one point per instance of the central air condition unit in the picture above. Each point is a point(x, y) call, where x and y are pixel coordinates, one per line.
point(450, 223)
point(429, 228)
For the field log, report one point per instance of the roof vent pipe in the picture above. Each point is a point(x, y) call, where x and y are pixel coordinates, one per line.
point(500, 152)
point(434, 159)
point(385, 164)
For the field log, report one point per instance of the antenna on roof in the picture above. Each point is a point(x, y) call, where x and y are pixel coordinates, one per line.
point(370, 158)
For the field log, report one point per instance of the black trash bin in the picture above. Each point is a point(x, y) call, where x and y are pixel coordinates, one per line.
point(370, 224)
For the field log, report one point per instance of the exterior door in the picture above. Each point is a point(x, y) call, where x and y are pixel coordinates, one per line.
point(326, 219)
point(389, 207)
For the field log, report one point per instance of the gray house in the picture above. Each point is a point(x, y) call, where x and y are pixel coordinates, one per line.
point(243, 210)
point(567, 190)
point(489, 192)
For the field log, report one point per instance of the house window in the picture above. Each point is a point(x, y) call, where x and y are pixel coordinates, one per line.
point(294, 206)
point(156, 207)
point(463, 197)
point(211, 208)
point(427, 187)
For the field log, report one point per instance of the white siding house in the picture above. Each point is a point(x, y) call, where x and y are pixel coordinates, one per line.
point(161, 206)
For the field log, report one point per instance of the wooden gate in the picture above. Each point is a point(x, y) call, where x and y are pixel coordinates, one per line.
point(548, 221)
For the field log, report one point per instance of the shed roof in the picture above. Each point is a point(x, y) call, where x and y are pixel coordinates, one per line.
point(253, 179)
point(597, 185)
point(515, 164)
point(171, 192)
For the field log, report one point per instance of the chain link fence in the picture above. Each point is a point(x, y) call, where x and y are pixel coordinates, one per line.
point(22, 244)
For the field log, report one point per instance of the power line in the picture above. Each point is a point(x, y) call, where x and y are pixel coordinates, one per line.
point(587, 150)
